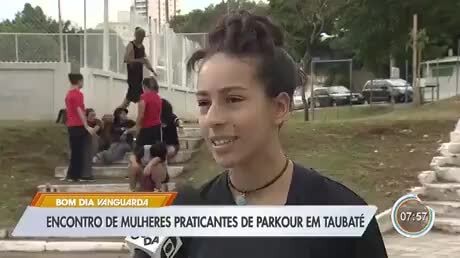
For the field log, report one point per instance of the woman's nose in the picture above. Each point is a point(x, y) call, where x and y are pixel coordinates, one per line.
point(215, 115)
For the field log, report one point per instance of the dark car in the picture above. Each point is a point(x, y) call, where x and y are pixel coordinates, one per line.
point(321, 98)
point(386, 90)
point(341, 96)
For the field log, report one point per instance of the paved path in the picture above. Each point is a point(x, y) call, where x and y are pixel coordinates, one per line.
point(433, 244)
point(64, 255)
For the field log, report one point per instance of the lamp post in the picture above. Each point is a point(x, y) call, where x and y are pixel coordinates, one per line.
point(105, 50)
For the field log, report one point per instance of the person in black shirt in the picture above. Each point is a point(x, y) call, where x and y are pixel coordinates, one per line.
point(121, 140)
point(135, 59)
point(246, 81)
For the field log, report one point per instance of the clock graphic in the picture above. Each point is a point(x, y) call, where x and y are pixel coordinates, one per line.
point(411, 218)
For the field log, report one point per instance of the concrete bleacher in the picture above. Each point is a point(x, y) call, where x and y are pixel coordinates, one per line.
point(112, 178)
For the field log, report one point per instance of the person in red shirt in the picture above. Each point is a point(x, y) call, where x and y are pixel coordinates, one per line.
point(148, 124)
point(77, 127)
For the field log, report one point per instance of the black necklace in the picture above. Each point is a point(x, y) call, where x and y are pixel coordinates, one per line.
point(241, 198)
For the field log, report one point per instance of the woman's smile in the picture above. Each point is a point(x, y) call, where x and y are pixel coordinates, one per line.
point(222, 143)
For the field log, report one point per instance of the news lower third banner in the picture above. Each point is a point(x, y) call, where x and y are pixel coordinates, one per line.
point(151, 214)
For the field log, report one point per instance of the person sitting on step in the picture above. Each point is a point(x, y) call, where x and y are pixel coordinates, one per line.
point(121, 139)
point(92, 144)
point(148, 170)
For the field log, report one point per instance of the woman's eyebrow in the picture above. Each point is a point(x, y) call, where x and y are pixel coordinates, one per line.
point(226, 89)
point(230, 88)
point(201, 93)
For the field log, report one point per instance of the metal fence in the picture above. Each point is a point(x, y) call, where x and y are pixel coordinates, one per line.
point(45, 47)
point(169, 50)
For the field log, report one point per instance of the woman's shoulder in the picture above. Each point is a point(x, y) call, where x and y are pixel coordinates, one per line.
point(209, 193)
point(308, 187)
point(311, 186)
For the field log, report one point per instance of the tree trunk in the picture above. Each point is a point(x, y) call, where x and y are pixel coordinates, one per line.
point(419, 61)
point(306, 60)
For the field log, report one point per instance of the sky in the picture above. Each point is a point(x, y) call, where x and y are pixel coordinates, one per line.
point(73, 9)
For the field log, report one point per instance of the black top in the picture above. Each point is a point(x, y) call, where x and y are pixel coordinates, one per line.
point(308, 187)
point(119, 128)
point(168, 119)
point(136, 70)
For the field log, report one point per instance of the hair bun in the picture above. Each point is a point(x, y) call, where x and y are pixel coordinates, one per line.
point(245, 33)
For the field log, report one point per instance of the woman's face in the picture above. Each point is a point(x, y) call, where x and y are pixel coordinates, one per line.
point(92, 116)
point(123, 116)
point(236, 117)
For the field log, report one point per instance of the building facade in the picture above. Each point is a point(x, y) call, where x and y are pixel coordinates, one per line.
point(142, 6)
point(157, 9)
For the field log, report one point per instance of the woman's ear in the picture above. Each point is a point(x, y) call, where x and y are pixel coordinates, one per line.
point(282, 108)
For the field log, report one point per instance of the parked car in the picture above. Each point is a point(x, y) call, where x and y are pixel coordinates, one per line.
point(386, 89)
point(297, 99)
point(322, 98)
point(341, 96)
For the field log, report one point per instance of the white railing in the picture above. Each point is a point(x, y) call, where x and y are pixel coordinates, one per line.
point(45, 47)
point(169, 51)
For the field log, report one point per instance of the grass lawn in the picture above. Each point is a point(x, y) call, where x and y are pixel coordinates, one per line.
point(377, 151)
point(379, 157)
point(29, 152)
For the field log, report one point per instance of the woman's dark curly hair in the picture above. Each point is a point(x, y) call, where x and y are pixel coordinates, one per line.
point(244, 35)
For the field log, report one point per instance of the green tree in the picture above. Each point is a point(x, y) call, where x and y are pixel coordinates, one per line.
point(377, 29)
point(203, 20)
point(32, 47)
point(304, 21)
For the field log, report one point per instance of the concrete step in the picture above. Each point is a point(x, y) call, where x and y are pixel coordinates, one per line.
point(448, 174)
point(445, 209)
point(190, 143)
point(451, 160)
point(451, 147)
point(189, 132)
point(115, 171)
point(182, 156)
point(441, 192)
point(449, 225)
point(84, 187)
point(427, 177)
point(455, 136)
point(91, 187)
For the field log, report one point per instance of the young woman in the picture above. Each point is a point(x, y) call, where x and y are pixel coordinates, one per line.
point(245, 86)
point(149, 171)
point(121, 140)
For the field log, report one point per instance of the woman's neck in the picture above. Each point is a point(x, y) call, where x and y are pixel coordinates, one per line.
point(260, 169)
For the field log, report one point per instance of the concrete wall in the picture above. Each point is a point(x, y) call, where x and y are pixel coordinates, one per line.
point(32, 91)
point(104, 91)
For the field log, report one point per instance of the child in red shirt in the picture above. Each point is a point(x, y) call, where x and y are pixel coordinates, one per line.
point(77, 127)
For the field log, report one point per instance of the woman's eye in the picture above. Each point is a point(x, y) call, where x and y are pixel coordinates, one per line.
point(234, 99)
point(203, 103)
